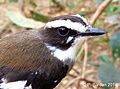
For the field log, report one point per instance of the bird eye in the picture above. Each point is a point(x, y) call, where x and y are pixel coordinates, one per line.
point(63, 31)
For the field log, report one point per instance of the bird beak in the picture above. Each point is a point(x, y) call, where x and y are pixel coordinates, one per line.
point(92, 32)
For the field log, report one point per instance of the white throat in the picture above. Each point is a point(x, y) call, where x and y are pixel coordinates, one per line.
point(66, 55)
point(63, 55)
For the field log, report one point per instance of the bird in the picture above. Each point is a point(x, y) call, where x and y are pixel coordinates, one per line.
point(41, 58)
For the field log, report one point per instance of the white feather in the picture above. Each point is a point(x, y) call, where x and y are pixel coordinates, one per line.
point(14, 85)
point(65, 54)
point(67, 23)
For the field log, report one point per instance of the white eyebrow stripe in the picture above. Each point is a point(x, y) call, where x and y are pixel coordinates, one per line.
point(67, 23)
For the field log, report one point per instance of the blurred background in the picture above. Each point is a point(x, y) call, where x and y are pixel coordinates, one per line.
point(98, 60)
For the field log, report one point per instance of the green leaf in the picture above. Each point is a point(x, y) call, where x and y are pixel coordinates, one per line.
point(105, 58)
point(40, 17)
point(108, 74)
point(18, 19)
point(112, 9)
point(115, 45)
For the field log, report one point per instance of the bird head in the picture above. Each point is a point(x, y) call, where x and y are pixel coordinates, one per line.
point(63, 34)
point(64, 31)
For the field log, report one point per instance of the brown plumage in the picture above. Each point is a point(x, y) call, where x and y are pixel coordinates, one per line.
point(24, 53)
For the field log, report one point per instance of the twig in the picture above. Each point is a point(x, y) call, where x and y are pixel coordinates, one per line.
point(76, 71)
point(99, 11)
point(85, 59)
point(80, 52)
point(21, 4)
point(71, 75)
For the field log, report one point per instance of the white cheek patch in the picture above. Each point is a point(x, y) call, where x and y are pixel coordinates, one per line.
point(14, 85)
point(67, 23)
point(69, 39)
